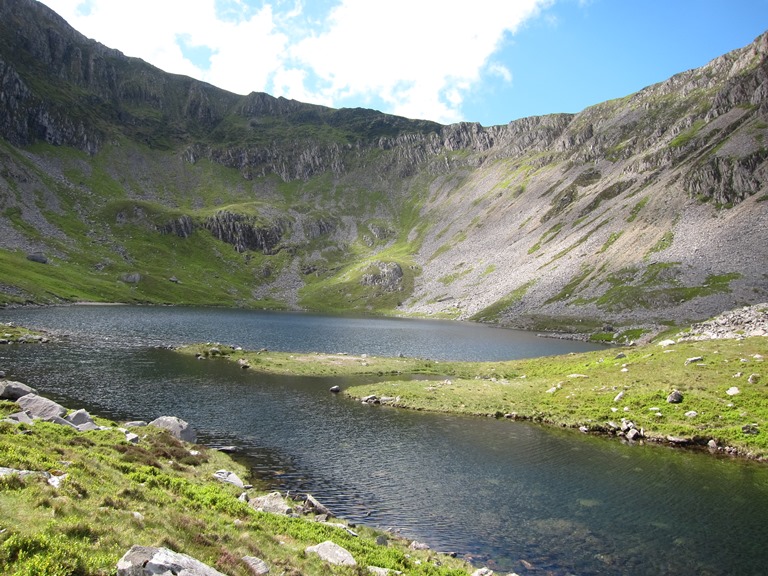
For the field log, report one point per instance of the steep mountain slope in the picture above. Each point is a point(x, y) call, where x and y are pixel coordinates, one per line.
point(137, 185)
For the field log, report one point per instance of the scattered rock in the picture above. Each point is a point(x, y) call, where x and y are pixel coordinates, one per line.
point(677, 440)
point(332, 553)
point(148, 561)
point(618, 396)
point(753, 378)
point(732, 391)
point(316, 506)
point(750, 429)
point(633, 434)
point(335, 389)
point(691, 414)
point(665, 343)
point(40, 407)
point(177, 427)
point(257, 566)
point(483, 572)
point(131, 278)
point(19, 418)
point(79, 417)
point(229, 477)
point(377, 571)
point(273, 503)
point(694, 359)
point(619, 356)
point(135, 424)
point(675, 397)
point(11, 390)
point(38, 257)
point(418, 546)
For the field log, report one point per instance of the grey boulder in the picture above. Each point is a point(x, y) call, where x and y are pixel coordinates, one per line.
point(177, 427)
point(39, 407)
point(332, 553)
point(11, 390)
point(272, 502)
point(257, 566)
point(148, 561)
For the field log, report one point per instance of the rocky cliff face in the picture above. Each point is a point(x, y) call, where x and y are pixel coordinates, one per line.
point(644, 207)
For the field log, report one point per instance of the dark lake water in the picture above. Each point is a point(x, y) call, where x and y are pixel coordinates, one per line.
point(511, 495)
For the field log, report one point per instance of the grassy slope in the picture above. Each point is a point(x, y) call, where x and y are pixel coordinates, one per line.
point(155, 493)
point(575, 390)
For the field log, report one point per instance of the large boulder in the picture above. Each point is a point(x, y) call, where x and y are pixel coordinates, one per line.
point(39, 407)
point(176, 426)
point(272, 502)
point(148, 561)
point(10, 390)
point(332, 553)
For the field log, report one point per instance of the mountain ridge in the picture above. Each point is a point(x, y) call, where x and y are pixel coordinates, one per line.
point(639, 210)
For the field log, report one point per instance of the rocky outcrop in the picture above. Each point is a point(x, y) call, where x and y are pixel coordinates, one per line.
point(386, 275)
point(246, 232)
point(12, 390)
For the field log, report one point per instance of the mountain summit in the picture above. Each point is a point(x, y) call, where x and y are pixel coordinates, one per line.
point(120, 182)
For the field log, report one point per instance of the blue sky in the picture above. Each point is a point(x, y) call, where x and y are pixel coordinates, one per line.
point(487, 61)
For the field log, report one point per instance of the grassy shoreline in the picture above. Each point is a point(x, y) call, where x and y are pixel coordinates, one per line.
point(159, 492)
point(591, 391)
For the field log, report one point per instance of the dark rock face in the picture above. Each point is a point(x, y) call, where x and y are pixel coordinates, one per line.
point(245, 232)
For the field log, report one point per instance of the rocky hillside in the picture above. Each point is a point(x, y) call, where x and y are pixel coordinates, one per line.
point(126, 183)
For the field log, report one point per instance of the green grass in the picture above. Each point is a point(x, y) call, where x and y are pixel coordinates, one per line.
point(610, 241)
point(684, 137)
point(155, 493)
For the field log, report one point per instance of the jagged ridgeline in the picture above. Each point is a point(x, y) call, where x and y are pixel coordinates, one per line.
point(120, 182)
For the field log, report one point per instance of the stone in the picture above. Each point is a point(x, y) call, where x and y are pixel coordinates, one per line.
point(19, 418)
point(60, 421)
point(732, 391)
point(79, 417)
point(418, 546)
point(131, 438)
point(229, 477)
point(257, 566)
point(11, 390)
point(332, 553)
point(131, 278)
point(483, 572)
point(272, 502)
point(633, 434)
point(691, 414)
point(694, 359)
point(377, 571)
point(618, 396)
point(39, 407)
point(149, 561)
point(319, 508)
point(38, 257)
point(753, 378)
point(177, 427)
point(665, 343)
point(335, 389)
point(135, 424)
point(56, 481)
point(675, 397)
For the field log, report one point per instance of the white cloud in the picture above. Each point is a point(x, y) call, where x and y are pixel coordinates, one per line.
point(415, 58)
